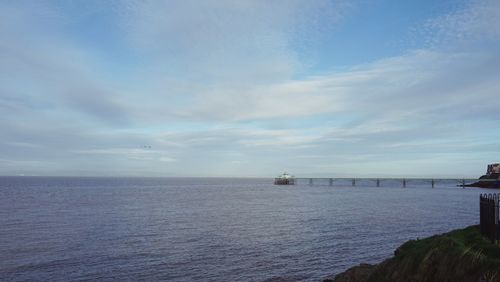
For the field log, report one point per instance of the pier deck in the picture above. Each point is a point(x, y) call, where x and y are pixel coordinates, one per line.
point(380, 181)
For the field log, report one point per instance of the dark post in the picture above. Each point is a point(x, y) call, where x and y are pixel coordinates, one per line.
point(481, 213)
point(310, 181)
point(488, 216)
point(331, 181)
point(463, 183)
point(378, 182)
point(495, 218)
point(354, 182)
point(404, 182)
point(432, 183)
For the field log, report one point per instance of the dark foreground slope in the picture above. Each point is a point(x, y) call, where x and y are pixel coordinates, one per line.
point(460, 255)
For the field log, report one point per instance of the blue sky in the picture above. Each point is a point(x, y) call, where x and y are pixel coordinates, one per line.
point(249, 88)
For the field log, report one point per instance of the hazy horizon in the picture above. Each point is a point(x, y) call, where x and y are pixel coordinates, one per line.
point(249, 88)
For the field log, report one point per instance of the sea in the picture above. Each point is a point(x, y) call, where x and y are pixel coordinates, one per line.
point(214, 229)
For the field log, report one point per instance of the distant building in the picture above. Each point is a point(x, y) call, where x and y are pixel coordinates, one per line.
point(493, 168)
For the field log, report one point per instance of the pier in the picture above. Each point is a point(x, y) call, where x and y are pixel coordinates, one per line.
point(381, 182)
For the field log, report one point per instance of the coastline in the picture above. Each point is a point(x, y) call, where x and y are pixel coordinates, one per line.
point(459, 255)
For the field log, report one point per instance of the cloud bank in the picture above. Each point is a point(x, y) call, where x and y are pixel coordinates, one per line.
point(224, 88)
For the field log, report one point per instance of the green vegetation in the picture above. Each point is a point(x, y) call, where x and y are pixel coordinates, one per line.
point(460, 255)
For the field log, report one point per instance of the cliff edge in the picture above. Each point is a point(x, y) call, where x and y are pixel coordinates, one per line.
point(460, 255)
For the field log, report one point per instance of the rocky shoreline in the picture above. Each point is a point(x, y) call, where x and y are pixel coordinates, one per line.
point(491, 181)
point(459, 255)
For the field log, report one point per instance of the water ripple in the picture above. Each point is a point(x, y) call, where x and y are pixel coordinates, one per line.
point(181, 229)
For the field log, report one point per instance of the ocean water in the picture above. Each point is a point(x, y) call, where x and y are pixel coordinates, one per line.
point(213, 229)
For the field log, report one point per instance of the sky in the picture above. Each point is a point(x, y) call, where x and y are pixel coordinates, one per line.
point(336, 88)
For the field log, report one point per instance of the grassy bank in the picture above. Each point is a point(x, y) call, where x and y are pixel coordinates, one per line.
point(460, 255)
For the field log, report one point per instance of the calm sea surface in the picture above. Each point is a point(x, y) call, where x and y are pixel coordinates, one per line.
point(199, 229)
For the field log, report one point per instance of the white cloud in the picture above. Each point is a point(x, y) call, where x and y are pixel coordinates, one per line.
point(47, 78)
point(247, 40)
point(473, 24)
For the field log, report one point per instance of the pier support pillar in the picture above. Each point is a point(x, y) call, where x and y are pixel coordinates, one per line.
point(378, 182)
point(463, 183)
point(404, 182)
point(432, 183)
point(331, 181)
point(354, 182)
point(310, 181)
